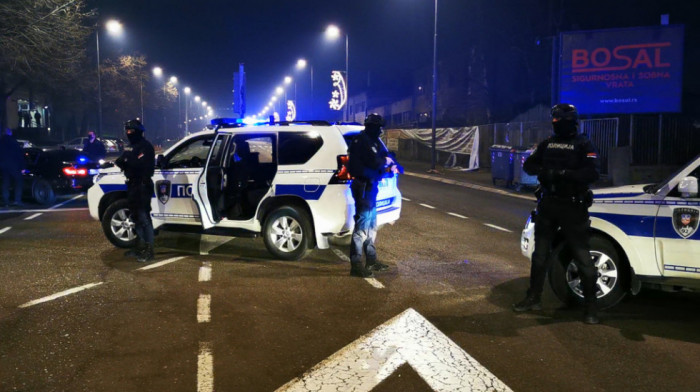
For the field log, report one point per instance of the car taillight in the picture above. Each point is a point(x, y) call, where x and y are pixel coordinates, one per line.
point(342, 175)
point(74, 171)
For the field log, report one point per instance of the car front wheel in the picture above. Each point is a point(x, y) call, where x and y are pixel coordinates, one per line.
point(611, 268)
point(118, 225)
point(287, 233)
point(42, 192)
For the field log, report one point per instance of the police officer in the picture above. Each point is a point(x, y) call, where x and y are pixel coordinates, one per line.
point(138, 165)
point(565, 164)
point(369, 161)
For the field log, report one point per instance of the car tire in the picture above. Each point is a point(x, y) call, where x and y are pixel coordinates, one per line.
point(287, 233)
point(42, 192)
point(118, 226)
point(612, 270)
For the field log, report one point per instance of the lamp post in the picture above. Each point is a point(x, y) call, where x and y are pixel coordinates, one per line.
point(187, 116)
point(173, 81)
point(333, 32)
point(114, 28)
point(301, 64)
point(434, 114)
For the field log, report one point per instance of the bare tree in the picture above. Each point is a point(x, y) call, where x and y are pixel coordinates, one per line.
point(42, 42)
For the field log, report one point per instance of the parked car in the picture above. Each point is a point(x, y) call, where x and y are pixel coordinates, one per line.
point(286, 182)
point(56, 172)
point(74, 144)
point(641, 235)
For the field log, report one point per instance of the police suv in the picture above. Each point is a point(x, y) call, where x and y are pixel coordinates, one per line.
point(641, 235)
point(285, 181)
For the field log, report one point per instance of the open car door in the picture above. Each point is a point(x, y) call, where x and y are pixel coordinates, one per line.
point(208, 190)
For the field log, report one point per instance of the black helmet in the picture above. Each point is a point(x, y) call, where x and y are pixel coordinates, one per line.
point(564, 111)
point(374, 119)
point(135, 125)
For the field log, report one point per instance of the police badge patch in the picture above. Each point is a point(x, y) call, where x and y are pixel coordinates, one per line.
point(163, 190)
point(685, 221)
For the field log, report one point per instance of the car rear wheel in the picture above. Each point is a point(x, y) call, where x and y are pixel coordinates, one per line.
point(612, 270)
point(42, 192)
point(118, 225)
point(287, 233)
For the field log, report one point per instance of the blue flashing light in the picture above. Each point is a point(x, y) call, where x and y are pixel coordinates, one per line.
point(82, 159)
point(225, 121)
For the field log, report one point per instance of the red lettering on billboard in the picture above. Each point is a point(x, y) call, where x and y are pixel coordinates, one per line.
point(579, 58)
point(620, 58)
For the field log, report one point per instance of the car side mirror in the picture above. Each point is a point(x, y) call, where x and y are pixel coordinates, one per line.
point(688, 188)
point(160, 161)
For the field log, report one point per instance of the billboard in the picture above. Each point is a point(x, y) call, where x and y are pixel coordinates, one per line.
point(635, 70)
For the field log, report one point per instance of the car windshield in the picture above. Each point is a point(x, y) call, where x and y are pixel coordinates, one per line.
point(653, 188)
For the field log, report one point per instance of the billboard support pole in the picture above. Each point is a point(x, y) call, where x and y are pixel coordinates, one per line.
point(661, 120)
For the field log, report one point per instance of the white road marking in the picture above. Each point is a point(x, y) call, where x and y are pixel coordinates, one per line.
point(498, 227)
point(32, 216)
point(59, 295)
point(426, 206)
point(44, 210)
point(471, 186)
point(457, 215)
point(205, 368)
point(204, 308)
point(161, 263)
point(66, 202)
point(405, 199)
point(406, 338)
point(205, 272)
point(5, 229)
point(372, 281)
point(375, 283)
point(341, 255)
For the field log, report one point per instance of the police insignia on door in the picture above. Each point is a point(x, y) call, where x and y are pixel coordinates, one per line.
point(163, 190)
point(685, 221)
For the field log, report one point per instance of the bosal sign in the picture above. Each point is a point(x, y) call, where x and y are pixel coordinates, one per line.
point(623, 70)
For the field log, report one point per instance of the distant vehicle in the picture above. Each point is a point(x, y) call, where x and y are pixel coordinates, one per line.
point(74, 144)
point(25, 143)
point(641, 235)
point(285, 182)
point(56, 172)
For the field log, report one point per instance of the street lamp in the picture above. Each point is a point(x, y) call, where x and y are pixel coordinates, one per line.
point(434, 114)
point(187, 116)
point(333, 32)
point(114, 28)
point(173, 81)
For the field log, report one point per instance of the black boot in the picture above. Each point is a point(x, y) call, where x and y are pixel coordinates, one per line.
point(531, 302)
point(356, 269)
point(136, 250)
point(374, 265)
point(146, 255)
point(590, 314)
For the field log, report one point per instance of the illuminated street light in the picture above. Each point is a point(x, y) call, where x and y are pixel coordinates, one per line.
point(197, 98)
point(279, 90)
point(157, 72)
point(115, 28)
point(204, 104)
point(287, 80)
point(173, 79)
point(301, 64)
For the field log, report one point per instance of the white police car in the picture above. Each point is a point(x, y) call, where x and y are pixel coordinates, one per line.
point(641, 235)
point(285, 181)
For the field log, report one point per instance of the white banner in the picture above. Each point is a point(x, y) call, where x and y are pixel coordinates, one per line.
point(453, 140)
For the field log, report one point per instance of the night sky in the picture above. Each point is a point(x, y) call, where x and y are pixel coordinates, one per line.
point(202, 42)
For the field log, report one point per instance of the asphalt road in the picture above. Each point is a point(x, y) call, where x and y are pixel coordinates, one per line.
point(219, 313)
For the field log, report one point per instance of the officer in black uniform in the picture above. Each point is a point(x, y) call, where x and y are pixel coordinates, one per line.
point(138, 165)
point(369, 161)
point(565, 164)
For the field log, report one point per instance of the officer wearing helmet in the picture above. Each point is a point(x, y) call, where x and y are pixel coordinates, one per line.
point(369, 161)
point(565, 165)
point(138, 165)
